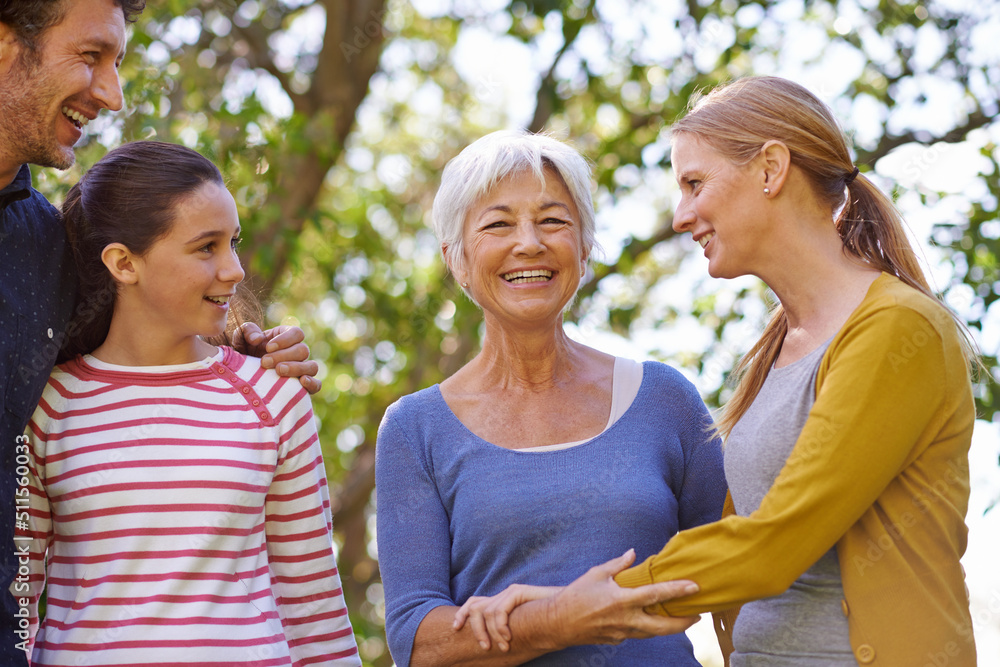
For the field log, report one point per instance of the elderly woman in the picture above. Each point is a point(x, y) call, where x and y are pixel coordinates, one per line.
point(541, 457)
point(848, 435)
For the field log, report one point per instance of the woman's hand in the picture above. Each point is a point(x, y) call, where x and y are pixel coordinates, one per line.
point(593, 609)
point(281, 348)
point(498, 607)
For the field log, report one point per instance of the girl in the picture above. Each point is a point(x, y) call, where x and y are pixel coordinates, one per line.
point(179, 508)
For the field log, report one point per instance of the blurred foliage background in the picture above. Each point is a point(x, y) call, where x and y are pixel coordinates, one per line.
point(332, 120)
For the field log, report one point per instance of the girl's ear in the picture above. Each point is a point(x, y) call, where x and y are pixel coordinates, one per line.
point(121, 263)
point(776, 161)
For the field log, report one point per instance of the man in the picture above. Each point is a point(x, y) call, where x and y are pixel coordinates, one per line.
point(58, 69)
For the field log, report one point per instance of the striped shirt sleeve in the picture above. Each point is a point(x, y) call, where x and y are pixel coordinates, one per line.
point(34, 537)
point(299, 536)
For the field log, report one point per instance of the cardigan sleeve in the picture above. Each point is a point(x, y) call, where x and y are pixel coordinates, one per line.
point(414, 538)
point(299, 535)
point(881, 392)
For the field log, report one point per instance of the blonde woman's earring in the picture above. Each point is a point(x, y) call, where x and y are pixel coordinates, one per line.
point(767, 191)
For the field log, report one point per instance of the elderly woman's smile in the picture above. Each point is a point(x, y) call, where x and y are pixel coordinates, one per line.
point(534, 276)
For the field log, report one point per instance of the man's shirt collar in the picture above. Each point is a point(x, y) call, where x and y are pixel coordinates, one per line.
point(19, 188)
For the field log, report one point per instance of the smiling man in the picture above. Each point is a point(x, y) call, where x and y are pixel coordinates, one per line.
point(58, 70)
point(56, 79)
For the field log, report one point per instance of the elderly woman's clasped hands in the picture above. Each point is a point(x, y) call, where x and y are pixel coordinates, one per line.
point(602, 612)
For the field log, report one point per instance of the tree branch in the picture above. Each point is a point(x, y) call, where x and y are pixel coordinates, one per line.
point(544, 99)
point(259, 57)
point(349, 57)
point(891, 142)
point(631, 252)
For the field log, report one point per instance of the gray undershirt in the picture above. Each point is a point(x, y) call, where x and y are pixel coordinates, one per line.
point(804, 626)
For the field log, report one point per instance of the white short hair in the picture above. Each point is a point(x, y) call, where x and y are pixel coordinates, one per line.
point(475, 171)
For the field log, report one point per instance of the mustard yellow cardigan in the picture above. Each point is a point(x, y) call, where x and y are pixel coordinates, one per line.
point(881, 470)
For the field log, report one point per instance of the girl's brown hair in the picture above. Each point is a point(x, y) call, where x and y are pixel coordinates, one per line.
point(736, 120)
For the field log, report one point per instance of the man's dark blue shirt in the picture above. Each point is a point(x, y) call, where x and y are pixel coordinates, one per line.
point(37, 292)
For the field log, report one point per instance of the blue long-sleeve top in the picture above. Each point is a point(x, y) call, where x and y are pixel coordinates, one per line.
point(459, 516)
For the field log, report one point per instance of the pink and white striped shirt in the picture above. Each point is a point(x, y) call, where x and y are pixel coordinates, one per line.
point(184, 516)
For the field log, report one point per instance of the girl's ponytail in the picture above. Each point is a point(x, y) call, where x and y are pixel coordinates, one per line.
point(95, 287)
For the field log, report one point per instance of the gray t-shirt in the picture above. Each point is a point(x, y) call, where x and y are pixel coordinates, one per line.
point(804, 626)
